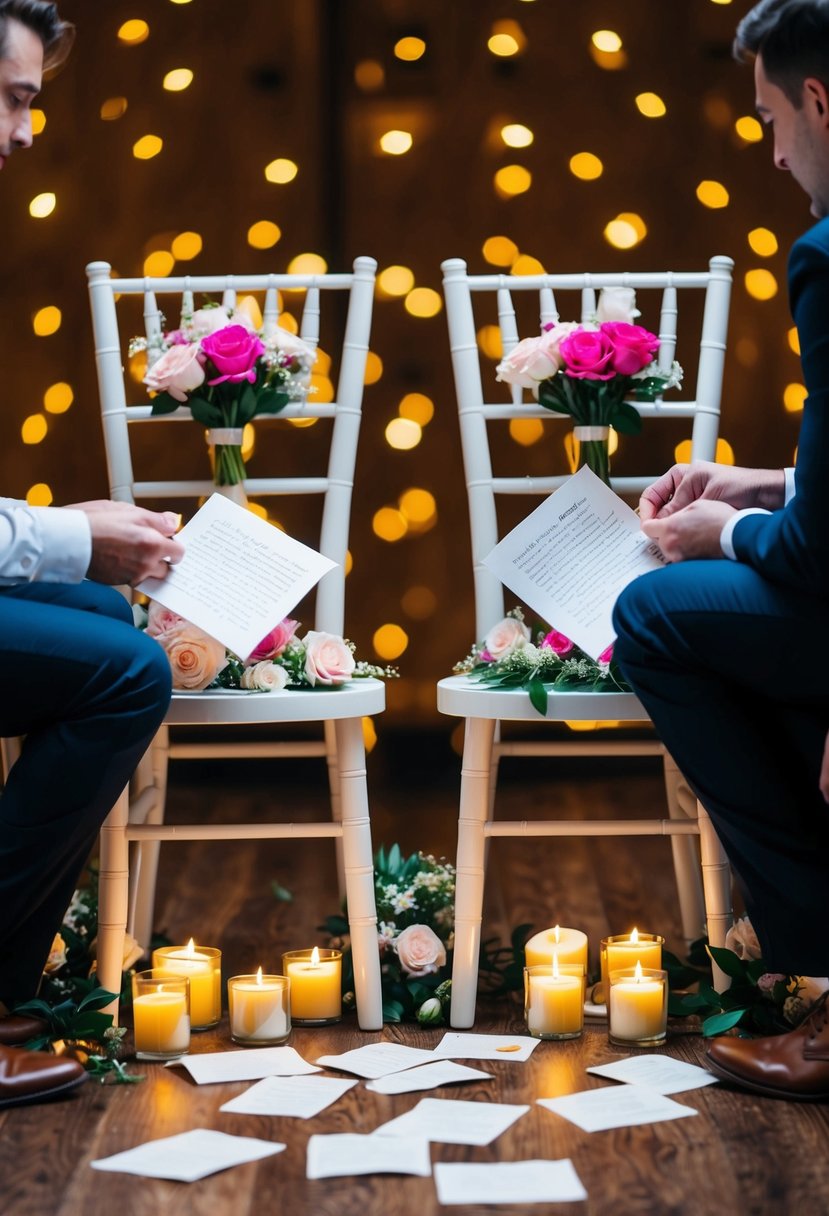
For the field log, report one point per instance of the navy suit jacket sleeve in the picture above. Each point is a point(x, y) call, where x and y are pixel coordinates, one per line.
point(791, 546)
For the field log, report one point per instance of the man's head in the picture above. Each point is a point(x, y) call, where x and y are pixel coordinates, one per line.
point(789, 42)
point(33, 39)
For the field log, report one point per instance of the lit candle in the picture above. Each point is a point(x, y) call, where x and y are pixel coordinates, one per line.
point(638, 1009)
point(554, 1000)
point(569, 944)
point(625, 950)
point(259, 1007)
point(160, 1019)
point(203, 968)
point(316, 985)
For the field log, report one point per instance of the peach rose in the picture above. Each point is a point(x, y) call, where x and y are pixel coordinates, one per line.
point(506, 636)
point(264, 677)
point(617, 304)
point(742, 940)
point(160, 619)
point(132, 952)
point(420, 950)
point(57, 956)
point(195, 657)
point(177, 372)
point(327, 659)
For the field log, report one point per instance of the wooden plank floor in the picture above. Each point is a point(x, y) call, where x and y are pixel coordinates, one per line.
point(739, 1155)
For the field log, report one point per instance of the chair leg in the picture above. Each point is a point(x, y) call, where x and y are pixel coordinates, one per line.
point(113, 882)
point(9, 752)
point(469, 890)
point(336, 800)
point(716, 878)
point(359, 873)
point(151, 773)
point(683, 805)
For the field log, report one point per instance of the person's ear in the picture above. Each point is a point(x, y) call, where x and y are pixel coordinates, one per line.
point(816, 97)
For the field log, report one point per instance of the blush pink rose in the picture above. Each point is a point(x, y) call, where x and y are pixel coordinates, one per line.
point(633, 347)
point(195, 657)
point(587, 354)
point(177, 372)
point(606, 656)
point(531, 361)
point(506, 636)
point(617, 304)
point(160, 619)
point(327, 659)
point(274, 643)
point(264, 677)
point(557, 642)
point(233, 351)
point(419, 950)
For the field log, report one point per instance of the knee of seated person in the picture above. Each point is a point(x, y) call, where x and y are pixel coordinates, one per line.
point(150, 676)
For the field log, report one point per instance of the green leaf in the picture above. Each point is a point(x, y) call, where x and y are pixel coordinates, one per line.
point(728, 962)
point(271, 401)
point(538, 696)
point(395, 861)
point(721, 1022)
point(206, 412)
point(96, 999)
point(625, 419)
point(34, 1008)
point(163, 403)
point(90, 1025)
point(392, 1011)
point(281, 893)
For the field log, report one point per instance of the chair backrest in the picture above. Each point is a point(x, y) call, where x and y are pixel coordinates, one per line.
point(116, 319)
point(552, 295)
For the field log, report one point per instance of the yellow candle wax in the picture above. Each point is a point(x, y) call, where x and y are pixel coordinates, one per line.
point(623, 953)
point(259, 1008)
point(555, 1005)
point(570, 946)
point(204, 976)
point(316, 993)
point(161, 1022)
point(638, 1008)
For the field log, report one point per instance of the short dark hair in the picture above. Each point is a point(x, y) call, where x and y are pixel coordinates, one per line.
point(792, 37)
point(42, 18)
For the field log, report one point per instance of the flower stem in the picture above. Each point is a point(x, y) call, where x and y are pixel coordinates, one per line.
point(229, 467)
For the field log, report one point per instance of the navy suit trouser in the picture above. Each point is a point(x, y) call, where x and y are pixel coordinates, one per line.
point(734, 673)
point(88, 691)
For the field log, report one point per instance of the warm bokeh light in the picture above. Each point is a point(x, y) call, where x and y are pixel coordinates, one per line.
point(516, 135)
point(512, 179)
point(500, 250)
point(323, 395)
point(586, 166)
point(369, 734)
point(186, 246)
point(749, 129)
point(39, 495)
point(281, 171)
point(147, 147)
point(418, 506)
point(626, 230)
point(47, 321)
point(374, 368)
point(112, 108)
point(177, 80)
point(490, 341)
point(794, 398)
point(395, 143)
point(248, 448)
point(526, 431)
point(159, 264)
point(369, 75)
point(250, 306)
point(133, 32)
point(763, 242)
point(263, 234)
point(417, 407)
point(650, 105)
point(390, 641)
point(423, 302)
point(724, 453)
point(410, 48)
point(42, 205)
point(34, 429)
point(395, 281)
point(525, 264)
point(38, 121)
point(58, 398)
point(307, 263)
point(419, 602)
point(760, 284)
point(389, 524)
point(793, 339)
point(712, 194)
point(403, 434)
point(507, 39)
point(607, 41)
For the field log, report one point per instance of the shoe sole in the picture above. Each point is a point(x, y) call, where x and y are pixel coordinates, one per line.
point(45, 1094)
point(766, 1090)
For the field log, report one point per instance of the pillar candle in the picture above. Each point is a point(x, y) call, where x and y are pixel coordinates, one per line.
point(638, 1009)
point(569, 944)
point(259, 1007)
point(554, 1000)
point(624, 951)
point(202, 966)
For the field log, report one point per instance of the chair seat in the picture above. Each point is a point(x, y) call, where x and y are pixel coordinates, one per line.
point(357, 699)
point(463, 697)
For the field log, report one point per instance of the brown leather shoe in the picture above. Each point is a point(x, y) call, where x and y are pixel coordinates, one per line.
point(793, 1065)
point(18, 1028)
point(30, 1076)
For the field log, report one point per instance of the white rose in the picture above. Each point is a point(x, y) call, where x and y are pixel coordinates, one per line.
point(264, 677)
point(420, 950)
point(208, 320)
point(617, 304)
point(327, 659)
point(742, 940)
point(506, 636)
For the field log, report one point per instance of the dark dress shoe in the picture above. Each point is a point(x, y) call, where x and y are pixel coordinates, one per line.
point(31, 1076)
point(18, 1028)
point(794, 1065)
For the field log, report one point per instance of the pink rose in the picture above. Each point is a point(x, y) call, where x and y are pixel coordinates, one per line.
point(557, 642)
point(587, 354)
point(208, 320)
point(532, 360)
point(506, 636)
point(277, 338)
point(617, 304)
point(420, 950)
point(177, 372)
point(233, 351)
point(160, 619)
point(606, 656)
point(327, 659)
point(195, 658)
point(274, 643)
point(633, 347)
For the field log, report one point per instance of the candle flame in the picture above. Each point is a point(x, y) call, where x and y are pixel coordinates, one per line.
point(634, 936)
point(191, 948)
point(259, 977)
point(315, 957)
point(638, 970)
point(557, 933)
point(555, 965)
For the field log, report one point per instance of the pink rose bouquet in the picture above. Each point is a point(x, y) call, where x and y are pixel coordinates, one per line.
point(590, 371)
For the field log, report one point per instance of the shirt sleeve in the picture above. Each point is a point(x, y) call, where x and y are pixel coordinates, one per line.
point(42, 544)
point(790, 486)
point(726, 541)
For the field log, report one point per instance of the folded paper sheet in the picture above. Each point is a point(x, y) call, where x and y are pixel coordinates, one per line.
point(290, 1097)
point(663, 1074)
point(189, 1156)
point(597, 1110)
point(449, 1121)
point(511, 1182)
point(427, 1076)
point(378, 1059)
point(244, 1065)
point(343, 1155)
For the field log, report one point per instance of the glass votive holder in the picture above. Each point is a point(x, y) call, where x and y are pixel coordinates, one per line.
point(554, 1000)
point(260, 1009)
point(637, 1007)
point(160, 1019)
point(624, 950)
point(203, 967)
point(316, 986)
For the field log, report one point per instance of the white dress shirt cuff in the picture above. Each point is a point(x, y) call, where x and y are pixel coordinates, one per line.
point(790, 490)
point(726, 541)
